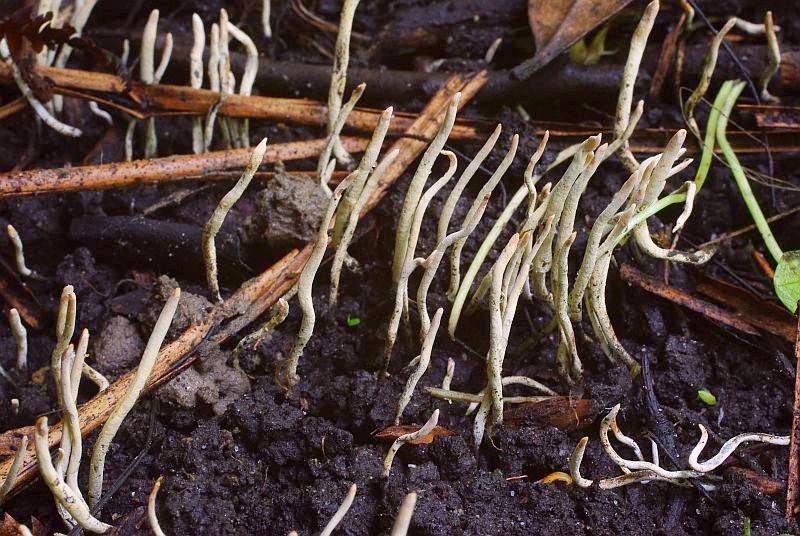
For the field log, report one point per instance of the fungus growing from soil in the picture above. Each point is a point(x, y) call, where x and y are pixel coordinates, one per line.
point(196, 77)
point(426, 429)
point(150, 74)
point(340, 512)
point(218, 217)
point(305, 284)
point(280, 312)
point(152, 518)
point(20, 335)
point(13, 473)
point(19, 252)
point(341, 59)
point(128, 400)
point(423, 360)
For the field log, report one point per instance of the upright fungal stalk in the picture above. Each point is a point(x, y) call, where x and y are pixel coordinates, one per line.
point(341, 512)
point(218, 217)
point(196, 77)
point(417, 186)
point(13, 472)
point(426, 429)
point(248, 77)
point(266, 8)
point(404, 515)
point(155, 526)
point(20, 337)
point(342, 256)
point(409, 262)
point(629, 74)
point(422, 366)
point(78, 19)
point(150, 74)
point(774, 59)
point(19, 252)
point(324, 165)
point(65, 497)
point(341, 59)
point(128, 400)
point(306, 282)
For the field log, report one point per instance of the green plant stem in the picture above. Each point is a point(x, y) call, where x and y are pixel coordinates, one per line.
point(741, 179)
point(711, 133)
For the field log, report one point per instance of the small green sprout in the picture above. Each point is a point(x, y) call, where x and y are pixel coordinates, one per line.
point(746, 526)
point(353, 321)
point(707, 397)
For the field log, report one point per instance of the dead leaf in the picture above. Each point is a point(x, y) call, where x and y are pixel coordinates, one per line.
point(562, 412)
point(393, 432)
point(559, 24)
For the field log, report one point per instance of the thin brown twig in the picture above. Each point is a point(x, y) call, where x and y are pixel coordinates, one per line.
point(792, 481)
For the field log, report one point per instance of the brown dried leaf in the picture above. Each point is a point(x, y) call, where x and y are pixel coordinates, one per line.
point(562, 412)
point(393, 432)
point(559, 24)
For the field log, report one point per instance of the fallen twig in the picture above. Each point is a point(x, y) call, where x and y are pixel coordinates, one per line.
point(170, 168)
point(677, 296)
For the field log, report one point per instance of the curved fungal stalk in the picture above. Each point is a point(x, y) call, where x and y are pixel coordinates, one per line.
point(466, 176)
point(151, 508)
point(99, 112)
point(213, 60)
point(448, 375)
point(655, 186)
point(709, 64)
point(13, 472)
point(417, 186)
point(422, 366)
point(629, 442)
point(20, 337)
point(409, 262)
point(595, 298)
point(76, 370)
point(567, 360)
point(36, 104)
point(557, 199)
point(599, 228)
point(281, 311)
point(486, 190)
point(266, 8)
point(196, 77)
point(426, 429)
point(341, 255)
point(341, 59)
point(365, 167)
point(630, 72)
point(636, 465)
point(96, 378)
point(575, 464)
point(325, 156)
point(644, 476)
point(80, 16)
point(774, 59)
point(64, 495)
point(65, 329)
point(727, 448)
point(218, 217)
point(69, 414)
point(248, 77)
point(497, 342)
point(305, 284)
point(404, 515)
point(147, 75)
point(19, 251)
point(129, 399)
point(341, 512)
point(433, 261)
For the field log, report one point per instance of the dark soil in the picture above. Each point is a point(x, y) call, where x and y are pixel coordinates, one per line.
point(272, 463)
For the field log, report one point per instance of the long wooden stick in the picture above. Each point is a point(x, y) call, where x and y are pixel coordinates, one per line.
point(169, 168)
point(255, 296)
point(156, 99)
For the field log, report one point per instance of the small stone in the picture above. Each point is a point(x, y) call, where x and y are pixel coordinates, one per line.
point(119, 346)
